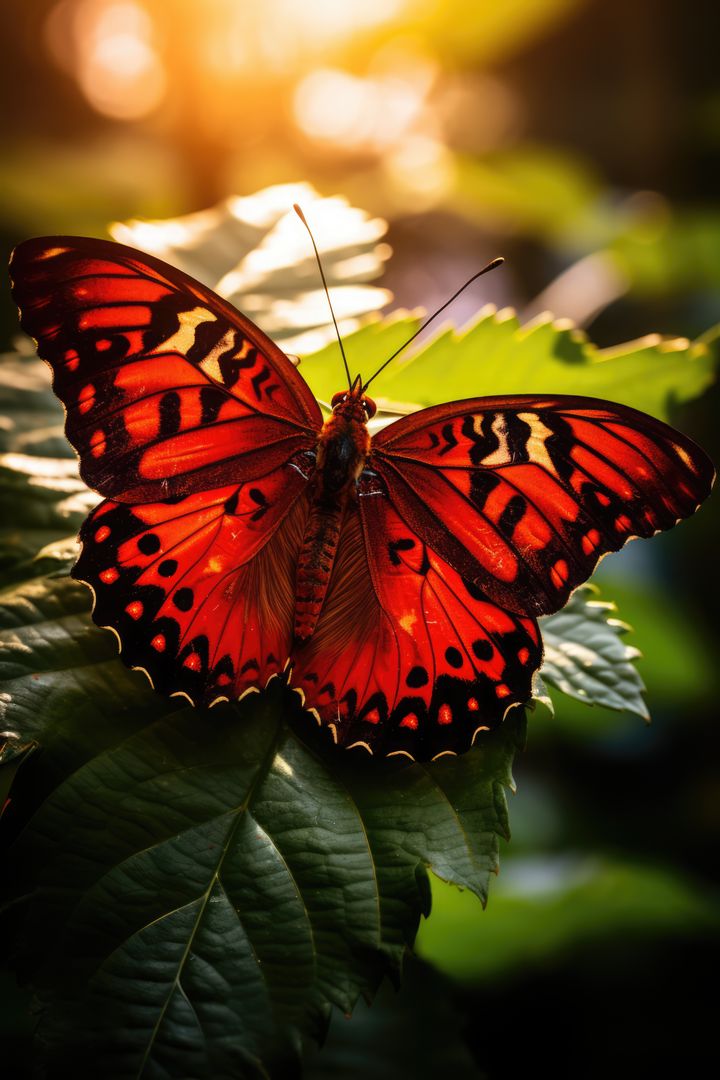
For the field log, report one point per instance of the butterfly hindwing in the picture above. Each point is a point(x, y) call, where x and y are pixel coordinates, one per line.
point(408, 657)
point(523, 495)
point(200, 589)
point(167, 389)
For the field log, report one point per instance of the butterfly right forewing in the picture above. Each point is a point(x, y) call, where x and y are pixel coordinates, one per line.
point(523, 495)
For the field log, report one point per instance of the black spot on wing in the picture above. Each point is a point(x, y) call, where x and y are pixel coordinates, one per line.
point(417, 677)
point(183, 599)
point(149, 543)
point(482, 483)
point(170, 414)
point(211, 401)
point(482, 649)
point(512, 515)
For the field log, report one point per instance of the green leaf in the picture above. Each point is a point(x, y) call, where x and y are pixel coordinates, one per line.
point(31, 417)
point(42, 500)
point(586, 658)
point(495, 355)
point(365, 350)
point(196, 889)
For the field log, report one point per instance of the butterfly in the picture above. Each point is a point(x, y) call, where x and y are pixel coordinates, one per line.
point(394, 580)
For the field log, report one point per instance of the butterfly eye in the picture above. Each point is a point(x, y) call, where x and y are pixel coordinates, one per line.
point(370, 407)
point(337, 398)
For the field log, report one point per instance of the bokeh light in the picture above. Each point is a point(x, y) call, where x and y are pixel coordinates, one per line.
point(278, 33)
point(109, 46)
point(354, 113)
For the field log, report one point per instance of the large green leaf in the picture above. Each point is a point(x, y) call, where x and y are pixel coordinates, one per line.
point(206, 885)
point(495, 355)
point(365, 350)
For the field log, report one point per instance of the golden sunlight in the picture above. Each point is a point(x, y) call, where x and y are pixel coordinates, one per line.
point(109, 46)
point(278, 33)
point(335, 106)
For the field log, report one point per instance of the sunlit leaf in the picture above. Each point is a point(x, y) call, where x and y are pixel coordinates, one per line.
point(586, 657)
point(495, 355)
point(255, 252)
point(365, 349)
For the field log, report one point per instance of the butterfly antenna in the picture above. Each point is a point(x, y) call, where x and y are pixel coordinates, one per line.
point(486, 269)
point(300, 214)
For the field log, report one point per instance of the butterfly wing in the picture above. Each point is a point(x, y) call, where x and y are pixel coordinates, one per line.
point(523, 495)
point(202, 433)
point(200, 589)
point(472, 518)
point(168, 390)
point(408, 657)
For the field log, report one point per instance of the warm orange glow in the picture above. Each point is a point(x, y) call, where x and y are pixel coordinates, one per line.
point(421, 167)
point(353, 79)
point(281, 34)
point(361, 113)
point(109, 47)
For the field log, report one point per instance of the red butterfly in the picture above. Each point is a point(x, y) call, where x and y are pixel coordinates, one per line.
point(396, 579)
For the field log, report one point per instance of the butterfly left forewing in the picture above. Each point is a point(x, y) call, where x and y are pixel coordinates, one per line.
point(407, 657)
point(167, 389)
point(523, 495)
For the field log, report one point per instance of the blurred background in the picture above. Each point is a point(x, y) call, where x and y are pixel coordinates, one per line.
point(580, 139)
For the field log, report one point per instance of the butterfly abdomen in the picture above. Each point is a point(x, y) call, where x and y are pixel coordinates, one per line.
point(322, 534)
point(342, 449)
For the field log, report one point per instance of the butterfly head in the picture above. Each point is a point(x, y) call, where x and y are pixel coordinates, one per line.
point(354, 402)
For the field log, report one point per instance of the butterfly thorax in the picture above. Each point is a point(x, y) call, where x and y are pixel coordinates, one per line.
point(343, 446)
